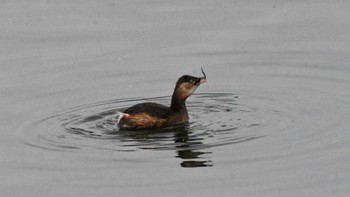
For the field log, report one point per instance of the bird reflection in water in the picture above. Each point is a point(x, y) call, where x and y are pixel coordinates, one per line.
point(188, 149)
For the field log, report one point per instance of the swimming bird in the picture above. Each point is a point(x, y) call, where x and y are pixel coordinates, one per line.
point(151, 115)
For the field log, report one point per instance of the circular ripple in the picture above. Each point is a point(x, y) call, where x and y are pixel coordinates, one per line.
point(216, 119)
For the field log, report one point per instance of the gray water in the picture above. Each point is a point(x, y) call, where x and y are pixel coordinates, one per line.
point(272, 120)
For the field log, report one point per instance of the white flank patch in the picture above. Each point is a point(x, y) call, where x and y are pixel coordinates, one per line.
point(119, 116)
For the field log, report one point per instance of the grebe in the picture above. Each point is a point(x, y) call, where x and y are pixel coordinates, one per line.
point(153, 115)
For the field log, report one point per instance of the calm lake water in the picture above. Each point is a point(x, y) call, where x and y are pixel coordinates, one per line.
point(272, 120)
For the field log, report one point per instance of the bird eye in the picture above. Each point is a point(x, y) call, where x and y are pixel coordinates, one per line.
point(192, 81)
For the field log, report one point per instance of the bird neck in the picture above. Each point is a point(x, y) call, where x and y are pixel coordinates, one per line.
point(178, 102)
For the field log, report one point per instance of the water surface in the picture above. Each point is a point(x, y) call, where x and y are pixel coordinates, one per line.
point(272, 120)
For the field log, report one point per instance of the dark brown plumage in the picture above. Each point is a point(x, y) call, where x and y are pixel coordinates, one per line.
point(153, 115)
